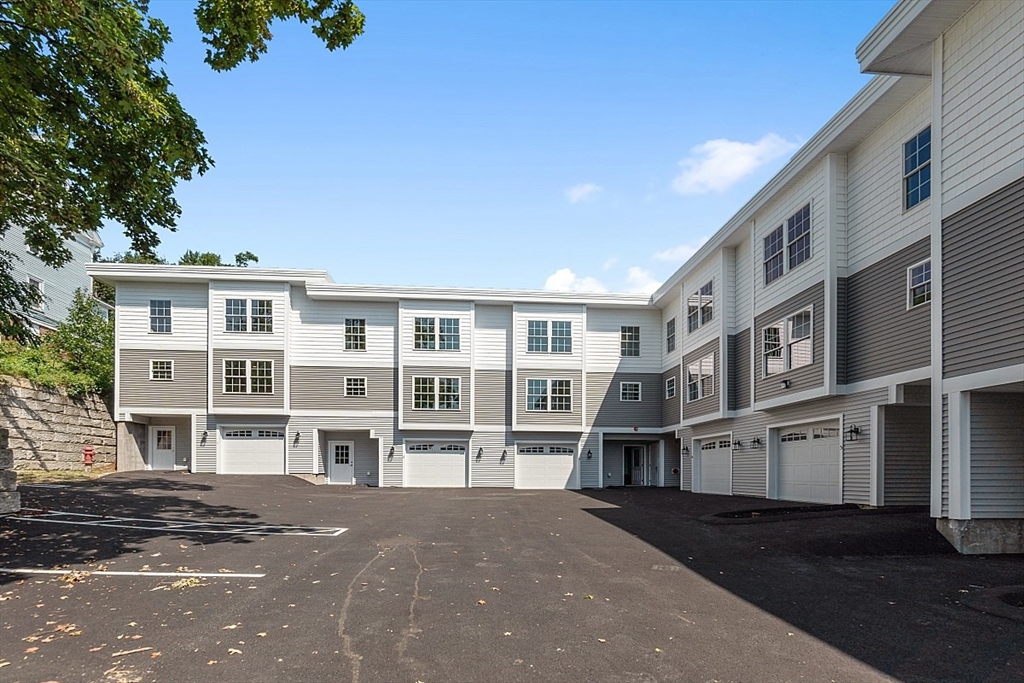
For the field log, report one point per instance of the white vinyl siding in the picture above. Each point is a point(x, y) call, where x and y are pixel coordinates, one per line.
point(604, 340)
point(545, 316)
point(492, 347)
point(265, 314)
point(188, 311)
point(317, 335)
point(448, 340)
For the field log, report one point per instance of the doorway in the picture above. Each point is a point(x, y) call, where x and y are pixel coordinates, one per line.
point(162, 446)
point(635, 466)
point(341, 462)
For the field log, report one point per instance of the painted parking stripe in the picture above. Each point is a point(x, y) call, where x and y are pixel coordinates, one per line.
point(175, 525)
point(104, 572)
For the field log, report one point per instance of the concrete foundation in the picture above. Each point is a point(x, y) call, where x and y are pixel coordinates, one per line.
point(984, 536)
point(131, 444)
point(10, 499)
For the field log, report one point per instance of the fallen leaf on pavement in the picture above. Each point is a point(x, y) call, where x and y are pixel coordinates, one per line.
point(233, 651)
point(154, 655)
point(262, 634)
point(588, 597)
point(229, 627)
point(481, 602)
point(211, 662)
point(30, 650)
point(97, 648)
point(601, 640)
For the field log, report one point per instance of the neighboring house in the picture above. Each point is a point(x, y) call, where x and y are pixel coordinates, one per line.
point(57, 285)
point(854, 334)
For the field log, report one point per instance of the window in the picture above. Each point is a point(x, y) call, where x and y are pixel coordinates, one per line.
point(919, 284)
point(917, 168)
point(436, 393)
point(549, 395)
point(355, 386)
point(629, 341)
point(436, 333)
point(789, 437)
point(248, 377)
point(39, 288)
point(262, 317)
point(538, 340)
point(700, 307)
point(670, 387)
point(792, 238)
point(700, 378)
point(235, 319)
point(670, 336)
point(238, 433)
point(629, 391)
point(161, 370)
point(355, 334)
point(270, 433)
point(531, 450)
point(160, 316)
point(788, 344)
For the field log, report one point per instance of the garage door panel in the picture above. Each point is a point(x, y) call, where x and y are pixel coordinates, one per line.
point(545, 467)
point(435, 465)
point(252, 451)
point(716, 467)
point(809, 464)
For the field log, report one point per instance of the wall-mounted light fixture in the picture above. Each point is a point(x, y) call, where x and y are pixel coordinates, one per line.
point(685, 450)
point(590, 454)
point(504, 454)
point(391, 453)
point(205, 433)
point(737, 444)
point(755, 442)
point(784, 384)
point(296, 437)
point(852, 433)
point(480, 453)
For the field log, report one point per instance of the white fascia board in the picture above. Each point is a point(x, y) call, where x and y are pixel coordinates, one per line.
point(840, 134)
point(123, 272)
point(325, 291)
point(909, 26)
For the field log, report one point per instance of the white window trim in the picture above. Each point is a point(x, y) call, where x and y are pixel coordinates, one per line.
point(170, 314)
point(670, 339)
point(547, 392)
point(41, 306)
point(249, 317)
point(639, 341)
point(162, 379)
point(437, 394)
point(344, 339)
point(671, 381)
point(906, 176)
point(437, 333)
point(786, 268)
point(910, 286)
point(701, 306)
point(639, 393)
point(550, 337)
point(248, 377)
point(786, 344)
point(366, 389)
point(700, 384)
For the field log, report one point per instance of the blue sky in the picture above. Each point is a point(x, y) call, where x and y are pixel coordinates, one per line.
point(567, 145)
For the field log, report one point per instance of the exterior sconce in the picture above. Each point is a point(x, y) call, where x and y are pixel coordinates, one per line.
point(853, 433)
point(737, 444)
point(391, 453)
point(296, 436)
point(784, 384)
point(590, 454)
point(480, 453)
point(755, 442)
point(205, 433)
point(504, 454)
point(685, 450)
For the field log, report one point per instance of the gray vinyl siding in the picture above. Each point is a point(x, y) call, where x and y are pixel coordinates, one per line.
point(206, 446)
point(226, 402)
point(182, 436)
point(671, 462)
point(997, 455)
point(842, 328)
point(739, 371)
point(982, 284)
point(493, 397)
point(541, 419)
point(882, 336)
point(613, 474)
point(670, 414)
point(426, 417)
point(709, 404)
point(917, 394)
point(394, 467)
point(604, 409)
point(487, 468)
point(907, 447)
point(685, 460)
point(590, 469)
point(801, 379)
point(366, 453)
point(945, 455)
point(186, 390)
point(323, 388)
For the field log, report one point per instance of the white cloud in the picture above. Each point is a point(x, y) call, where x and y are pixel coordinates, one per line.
point(639, 281)
point(581, 192)
point(564, 280)
point(610, 263)
point(680, 253)
point(717, 165)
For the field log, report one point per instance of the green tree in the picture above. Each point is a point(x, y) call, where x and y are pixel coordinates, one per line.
point(105, 292)
point(89, 128)
point(85, 342)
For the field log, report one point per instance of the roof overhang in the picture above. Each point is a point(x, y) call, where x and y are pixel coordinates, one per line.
point(112, 273)
point(390, 293)
point(901, 43)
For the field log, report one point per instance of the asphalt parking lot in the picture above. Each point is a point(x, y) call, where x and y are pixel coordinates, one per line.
point(413, 585)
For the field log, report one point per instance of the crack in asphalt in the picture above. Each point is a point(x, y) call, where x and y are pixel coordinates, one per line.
point(413, 630)
point(346, 641)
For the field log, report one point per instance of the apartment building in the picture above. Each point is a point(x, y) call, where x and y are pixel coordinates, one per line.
point(854, 334)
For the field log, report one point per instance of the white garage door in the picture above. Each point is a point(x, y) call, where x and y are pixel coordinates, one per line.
point(548, 466)
point(716, 466)
point(809, 463)
point(435, 464)
point(251, 451)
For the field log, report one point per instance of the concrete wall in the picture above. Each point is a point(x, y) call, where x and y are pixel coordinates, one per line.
point(10, 499)
point(48, 429)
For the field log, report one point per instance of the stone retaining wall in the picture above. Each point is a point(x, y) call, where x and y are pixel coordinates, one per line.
point(10, 499)
point(48, 429)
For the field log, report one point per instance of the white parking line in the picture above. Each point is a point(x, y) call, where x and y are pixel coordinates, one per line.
point(176, 525)
point(104, 572)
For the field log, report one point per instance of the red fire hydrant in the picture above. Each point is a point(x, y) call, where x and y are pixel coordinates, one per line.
point(88, 453)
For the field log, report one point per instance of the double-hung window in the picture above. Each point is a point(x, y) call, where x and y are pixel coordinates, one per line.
point(436, 393)
point(355, 386)
point(248, 377)
point(629, 341)
point(355, 334)
point(549, 395)
point(700, 378)
point(249, 315)
point(917, 168)
point(629, 391)
point(788, 344)
point(261, 315)
point(670, 336)
point(161, 370)
point(788, 245)
point(235, 318)
point(919, 284)
point(670, 387)
point(160, 316)
point(544, 336)
point(430, 334)
point(700, 307)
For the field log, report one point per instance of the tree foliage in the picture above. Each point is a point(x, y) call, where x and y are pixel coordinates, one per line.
point(90, 130)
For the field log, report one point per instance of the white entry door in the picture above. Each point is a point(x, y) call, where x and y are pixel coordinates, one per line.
point(716, 466)
point(810, 463)
point(341, 462)
point(161, 448)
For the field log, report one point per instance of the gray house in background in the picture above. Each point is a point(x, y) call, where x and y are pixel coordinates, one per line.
point(57, 285)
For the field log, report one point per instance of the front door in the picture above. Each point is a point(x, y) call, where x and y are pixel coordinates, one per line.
point(161, 449)
point(341, 465)
point(634, 460)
